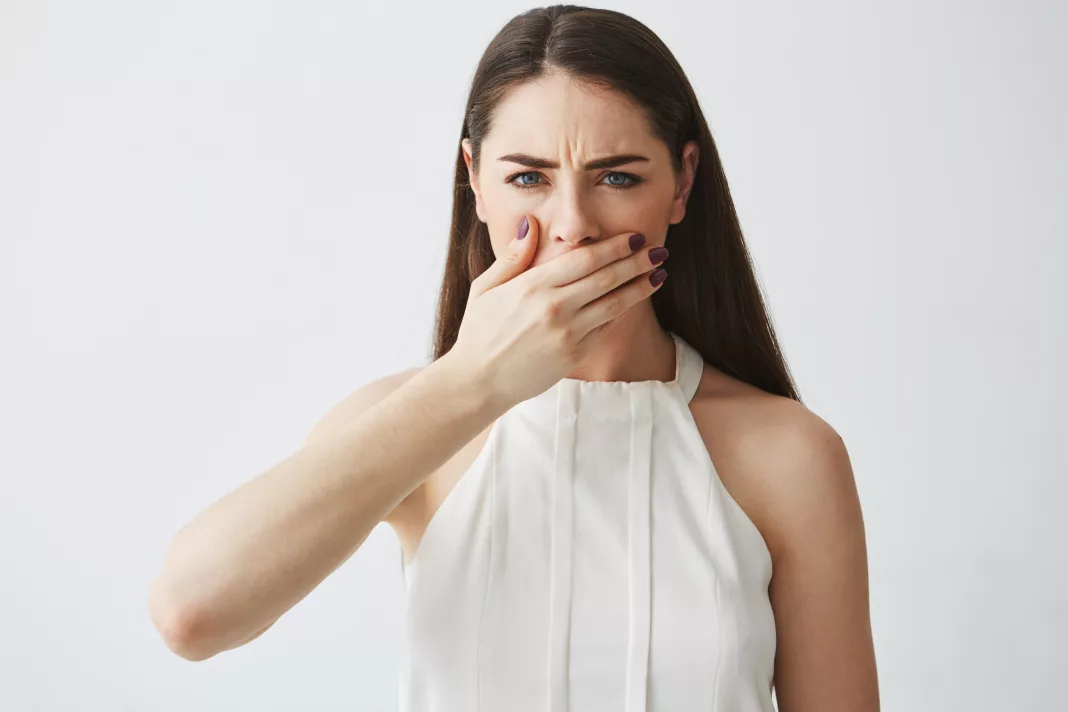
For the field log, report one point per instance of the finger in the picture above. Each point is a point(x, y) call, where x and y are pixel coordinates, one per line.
point(593, 286)
point(609, 306)
point(515, 259)
point(585, 260)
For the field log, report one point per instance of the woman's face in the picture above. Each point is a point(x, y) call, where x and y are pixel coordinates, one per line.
point(565, 125)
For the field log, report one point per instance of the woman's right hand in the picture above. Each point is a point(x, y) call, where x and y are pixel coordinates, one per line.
point(525, 329)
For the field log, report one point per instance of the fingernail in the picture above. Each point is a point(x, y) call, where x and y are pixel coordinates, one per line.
point(658, 276)
point(636, 241)
point(523, 227)
point(658, 255)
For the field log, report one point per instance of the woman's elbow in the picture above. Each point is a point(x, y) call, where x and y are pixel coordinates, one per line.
point(181, 627)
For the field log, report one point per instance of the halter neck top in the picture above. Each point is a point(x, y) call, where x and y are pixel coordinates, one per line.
point(591, 559)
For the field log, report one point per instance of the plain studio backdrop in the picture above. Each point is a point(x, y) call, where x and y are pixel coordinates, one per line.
point(218, 219)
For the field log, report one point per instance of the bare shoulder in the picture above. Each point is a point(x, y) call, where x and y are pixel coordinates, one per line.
point(783, 463)
point(353, 406)
point(790, 472)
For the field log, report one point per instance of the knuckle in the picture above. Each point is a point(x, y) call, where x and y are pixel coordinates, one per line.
point(614, 304)
point(553, 310)
point(604, 280)
point(642, 261)
point(587, 260)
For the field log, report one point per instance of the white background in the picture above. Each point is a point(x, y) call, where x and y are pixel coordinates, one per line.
point(218, 219)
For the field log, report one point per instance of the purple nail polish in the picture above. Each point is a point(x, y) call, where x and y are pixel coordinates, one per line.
point(658, 255)
point(636, 241)
point(523, 227)
point(658, 276)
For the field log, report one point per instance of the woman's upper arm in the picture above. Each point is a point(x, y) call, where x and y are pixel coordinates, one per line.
point(355, 405)
point(825, 659)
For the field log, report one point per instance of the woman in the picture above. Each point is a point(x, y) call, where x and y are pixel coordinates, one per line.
point(567, 541)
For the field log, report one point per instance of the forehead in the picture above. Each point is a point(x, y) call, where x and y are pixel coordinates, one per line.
point(558, 116)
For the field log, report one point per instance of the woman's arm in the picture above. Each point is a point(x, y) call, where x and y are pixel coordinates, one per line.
point(256, 552)
point(825, 659)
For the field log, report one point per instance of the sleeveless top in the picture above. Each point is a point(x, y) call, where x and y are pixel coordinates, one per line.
point(591, 559)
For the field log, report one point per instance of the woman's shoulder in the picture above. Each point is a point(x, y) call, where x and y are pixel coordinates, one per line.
point(790, 472)
point(782, 463)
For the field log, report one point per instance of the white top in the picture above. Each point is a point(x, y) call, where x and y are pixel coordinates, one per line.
point(590, 559)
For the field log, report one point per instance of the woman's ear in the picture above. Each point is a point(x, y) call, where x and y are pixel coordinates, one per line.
point(472, 178)
point(685, 182)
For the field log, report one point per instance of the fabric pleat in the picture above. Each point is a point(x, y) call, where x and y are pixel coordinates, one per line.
point(641, 444)
point(575, 567)
point(562, 514)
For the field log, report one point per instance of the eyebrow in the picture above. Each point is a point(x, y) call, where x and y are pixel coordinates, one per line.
point(606, 162)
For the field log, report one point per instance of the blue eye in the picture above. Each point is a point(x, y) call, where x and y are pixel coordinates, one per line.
point(633, 180)
point(522, 175)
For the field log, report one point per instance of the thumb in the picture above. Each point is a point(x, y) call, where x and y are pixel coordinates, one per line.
point(514, 260)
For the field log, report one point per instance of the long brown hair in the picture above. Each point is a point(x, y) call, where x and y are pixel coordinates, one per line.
point(712, 299)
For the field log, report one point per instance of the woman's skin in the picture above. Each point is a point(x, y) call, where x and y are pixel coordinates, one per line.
point(380, 455)
point(568, 124)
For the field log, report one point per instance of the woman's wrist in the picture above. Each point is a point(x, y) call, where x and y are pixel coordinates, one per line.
point(471, 386)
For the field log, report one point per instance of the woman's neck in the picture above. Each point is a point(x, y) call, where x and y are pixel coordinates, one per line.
point(633, 347)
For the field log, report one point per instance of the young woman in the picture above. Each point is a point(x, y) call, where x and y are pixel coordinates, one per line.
point(607, 492)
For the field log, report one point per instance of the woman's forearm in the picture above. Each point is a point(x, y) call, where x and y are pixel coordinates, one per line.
point(257, 551)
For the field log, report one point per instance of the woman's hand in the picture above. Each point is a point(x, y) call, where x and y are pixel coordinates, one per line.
point(525, 329)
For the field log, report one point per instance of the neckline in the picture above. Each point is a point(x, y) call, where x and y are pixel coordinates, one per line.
point(680, 356)
point(608, 394)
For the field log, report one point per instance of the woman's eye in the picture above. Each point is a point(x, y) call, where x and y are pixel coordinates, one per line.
point(521, 184)
point(624, 176)
point(615, 179)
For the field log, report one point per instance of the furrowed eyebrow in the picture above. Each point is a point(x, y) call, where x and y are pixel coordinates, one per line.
point(607, 162)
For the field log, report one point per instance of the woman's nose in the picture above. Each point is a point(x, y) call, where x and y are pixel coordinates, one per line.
point(572, 220)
